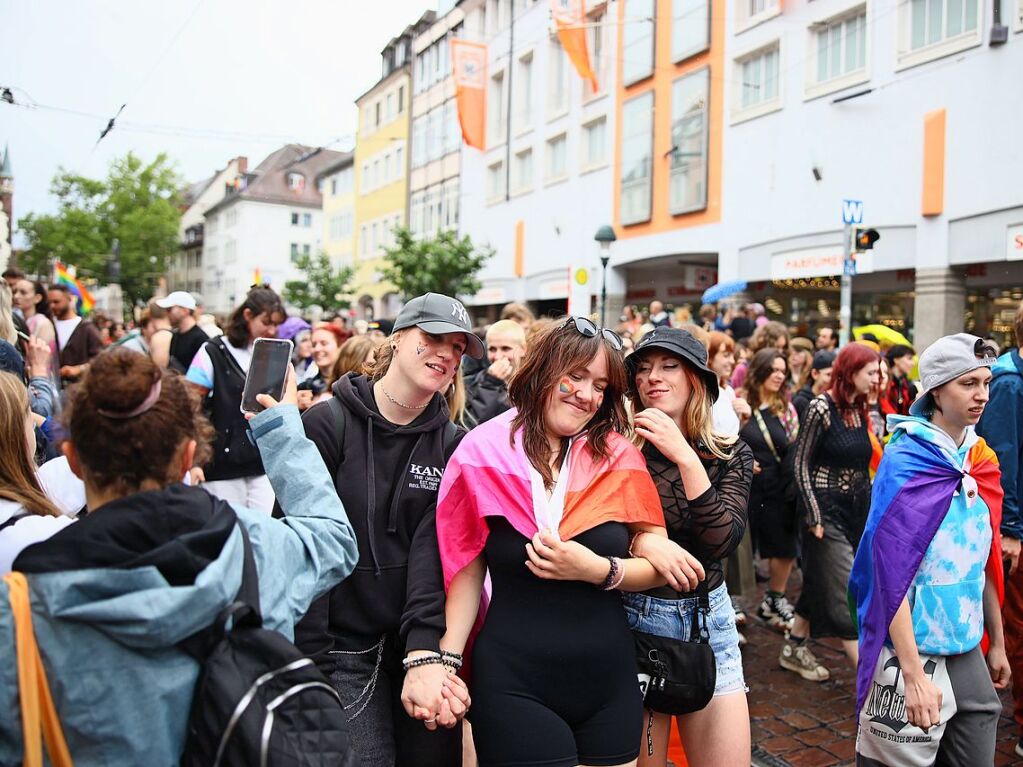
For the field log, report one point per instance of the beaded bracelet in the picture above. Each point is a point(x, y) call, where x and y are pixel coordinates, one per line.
point(612, 574)
point(425, 660)
point(620, 578)
point(632, 542)
point(407, 662)
point(451, 659)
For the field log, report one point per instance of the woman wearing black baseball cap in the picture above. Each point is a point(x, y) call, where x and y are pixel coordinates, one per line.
point(703, 479)
point(386, 438)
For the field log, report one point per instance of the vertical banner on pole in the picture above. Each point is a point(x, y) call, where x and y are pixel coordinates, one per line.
point(469, 61)
point(570, 18)
point(580, 292)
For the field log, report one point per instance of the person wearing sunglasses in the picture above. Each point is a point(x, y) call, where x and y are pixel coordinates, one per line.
point(703, 478)
point(545, 497)
point(927, 577)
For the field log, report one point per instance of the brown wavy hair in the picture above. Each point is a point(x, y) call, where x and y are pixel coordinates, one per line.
point(352, 357)
point(760, 369)
point(556, 352)
point(122, 454)
point(18, 480)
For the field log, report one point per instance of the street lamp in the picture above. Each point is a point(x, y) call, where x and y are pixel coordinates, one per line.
point(604, 237)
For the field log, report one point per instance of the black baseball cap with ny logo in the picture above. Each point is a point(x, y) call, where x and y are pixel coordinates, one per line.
point(439, 314)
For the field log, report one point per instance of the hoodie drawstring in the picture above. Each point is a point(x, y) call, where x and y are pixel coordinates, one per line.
point(371, 495)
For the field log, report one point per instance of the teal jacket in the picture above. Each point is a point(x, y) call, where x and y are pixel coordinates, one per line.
point(108, 635)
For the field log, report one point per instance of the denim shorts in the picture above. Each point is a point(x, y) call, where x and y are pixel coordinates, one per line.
point(673, 618)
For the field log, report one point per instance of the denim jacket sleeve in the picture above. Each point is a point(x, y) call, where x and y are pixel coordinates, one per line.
point(312, 548)
point(42, 396)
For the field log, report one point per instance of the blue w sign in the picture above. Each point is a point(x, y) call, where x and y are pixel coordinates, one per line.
point(852, 211)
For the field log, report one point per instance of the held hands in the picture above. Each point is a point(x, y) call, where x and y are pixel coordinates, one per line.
point(290, 395)
point(998, 665)
point(663, 433)
point(553, 559)
point(923, 700)
point(434, 695)
point(818, 531)
point(681, 569)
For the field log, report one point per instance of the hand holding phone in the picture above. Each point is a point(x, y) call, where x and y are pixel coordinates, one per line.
point(269, 373)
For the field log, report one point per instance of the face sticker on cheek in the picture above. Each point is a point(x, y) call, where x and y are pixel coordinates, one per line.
point(420, 349)
point(565, 386)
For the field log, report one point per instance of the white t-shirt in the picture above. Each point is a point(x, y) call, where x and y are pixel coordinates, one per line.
point(65, 328)
point(723, 414)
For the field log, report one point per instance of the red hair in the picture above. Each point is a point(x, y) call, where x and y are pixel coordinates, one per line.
point(851, 360)
point(340, 334)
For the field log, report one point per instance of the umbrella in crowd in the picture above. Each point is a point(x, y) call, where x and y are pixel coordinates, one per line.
point(722, 290)
point(885, 335)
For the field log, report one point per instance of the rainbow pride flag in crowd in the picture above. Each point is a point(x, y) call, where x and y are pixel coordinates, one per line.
point(66, 276)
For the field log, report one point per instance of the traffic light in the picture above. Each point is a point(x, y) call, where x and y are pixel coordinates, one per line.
point(864, 239)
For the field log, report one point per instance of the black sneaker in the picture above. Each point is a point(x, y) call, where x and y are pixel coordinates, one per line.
point(777, 612)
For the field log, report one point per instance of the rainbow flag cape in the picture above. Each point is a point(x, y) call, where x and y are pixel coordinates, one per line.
point(911, 495)
point(65, 277)
point(488, 476)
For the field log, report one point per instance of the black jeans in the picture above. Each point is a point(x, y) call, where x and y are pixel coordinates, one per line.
point(369, 682)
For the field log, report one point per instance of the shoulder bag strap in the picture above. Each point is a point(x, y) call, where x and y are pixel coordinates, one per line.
point(699, 631)
point(39, 720)
point(767, 433)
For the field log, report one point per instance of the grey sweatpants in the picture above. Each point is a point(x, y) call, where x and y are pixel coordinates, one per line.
point(969, 716)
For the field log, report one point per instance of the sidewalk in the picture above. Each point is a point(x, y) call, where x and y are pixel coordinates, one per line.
point(796, 723)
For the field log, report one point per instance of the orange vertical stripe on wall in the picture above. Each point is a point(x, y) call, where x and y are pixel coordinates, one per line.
point(520, 248)
point(934, 163)
point(570, 17)
point(469, 63)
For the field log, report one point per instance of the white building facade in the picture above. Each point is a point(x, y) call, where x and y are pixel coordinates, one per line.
point(542, 188)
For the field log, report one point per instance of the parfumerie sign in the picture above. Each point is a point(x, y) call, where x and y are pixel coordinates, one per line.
point(1014, 243)
point(822, 261)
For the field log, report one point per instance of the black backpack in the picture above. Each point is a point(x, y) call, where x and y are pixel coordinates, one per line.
point(258, 700)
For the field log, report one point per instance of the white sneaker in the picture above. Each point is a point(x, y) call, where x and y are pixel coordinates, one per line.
point(799, 658)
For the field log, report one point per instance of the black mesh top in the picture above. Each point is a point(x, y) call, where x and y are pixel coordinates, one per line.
point(711, 525)
point(832, 467)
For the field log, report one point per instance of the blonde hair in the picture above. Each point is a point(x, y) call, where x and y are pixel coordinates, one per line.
point(351, 357)
point(508, 328)
point(7, 330)
point(18, 480)
point(456, 399)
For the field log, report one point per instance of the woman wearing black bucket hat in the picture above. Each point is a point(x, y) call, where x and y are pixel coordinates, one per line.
point(386, 437)
point(703, 479)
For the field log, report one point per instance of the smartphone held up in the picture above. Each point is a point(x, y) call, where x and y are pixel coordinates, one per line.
point(268, 372)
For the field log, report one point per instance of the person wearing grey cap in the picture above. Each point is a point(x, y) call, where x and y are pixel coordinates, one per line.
point(928, 573)
point(386, 438)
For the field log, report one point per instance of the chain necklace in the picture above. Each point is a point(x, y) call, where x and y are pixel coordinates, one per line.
point(402, 404)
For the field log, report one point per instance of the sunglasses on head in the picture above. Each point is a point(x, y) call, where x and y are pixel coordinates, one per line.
point(983, 350)
point(586, 327)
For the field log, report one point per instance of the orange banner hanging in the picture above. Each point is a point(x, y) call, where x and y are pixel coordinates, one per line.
point(570, 17)
point(470, 74)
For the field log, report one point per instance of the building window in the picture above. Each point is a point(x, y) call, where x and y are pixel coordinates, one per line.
point(294, 219)
point(557, 80)
point(294, 252)
point(415, 213)
point(524, 93)
point(522, 176)
point(597, 43)
point(749, 13)
point(637, 149)
point(759, 90)
point(230, 251)
point(496, 109)
point(690, 28)
point(841, 47)
point(557, 149)
point(594, 144)
point(419, 141)
point(307, 219)
point(495, 180)
point(451, 205)
point(452, 128)
point(363, 239)
point(930, 29)
point(231, 218)
point(688, 181)
point(638, 40)
point(333, 187)
point(296, 182)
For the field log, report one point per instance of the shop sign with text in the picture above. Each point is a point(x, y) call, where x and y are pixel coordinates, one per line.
point(1014, 243)
point(825, 261)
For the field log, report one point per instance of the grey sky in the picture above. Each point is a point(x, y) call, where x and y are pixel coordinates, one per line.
point(243, 77)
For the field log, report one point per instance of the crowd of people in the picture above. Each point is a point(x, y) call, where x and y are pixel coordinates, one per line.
point(534, 542)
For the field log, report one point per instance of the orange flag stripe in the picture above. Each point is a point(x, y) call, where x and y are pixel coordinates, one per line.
point(469, 61)
point(570, 17)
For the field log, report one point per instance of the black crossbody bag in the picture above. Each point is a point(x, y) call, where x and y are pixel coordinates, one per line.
point(678, 676)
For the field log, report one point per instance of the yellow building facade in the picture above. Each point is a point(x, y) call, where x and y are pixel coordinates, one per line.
point(337, 183)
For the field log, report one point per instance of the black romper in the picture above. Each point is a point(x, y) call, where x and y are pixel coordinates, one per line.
point(554, 680)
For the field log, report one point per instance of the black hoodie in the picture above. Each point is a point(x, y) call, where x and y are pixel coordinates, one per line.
point(387, 477)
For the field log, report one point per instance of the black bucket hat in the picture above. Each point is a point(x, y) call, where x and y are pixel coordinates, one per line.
point(683, 345)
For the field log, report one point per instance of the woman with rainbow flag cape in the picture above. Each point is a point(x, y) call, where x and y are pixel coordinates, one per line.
point(545, 497)
point(927, 579)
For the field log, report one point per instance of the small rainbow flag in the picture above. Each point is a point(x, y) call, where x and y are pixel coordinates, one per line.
point(66, 276)
point(257, 276)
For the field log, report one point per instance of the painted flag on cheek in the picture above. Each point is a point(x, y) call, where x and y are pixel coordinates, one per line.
point(470, 75)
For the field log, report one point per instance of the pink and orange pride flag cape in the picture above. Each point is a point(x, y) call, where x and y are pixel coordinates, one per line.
point(570, 18)
point(469, 63)
point(488, 477)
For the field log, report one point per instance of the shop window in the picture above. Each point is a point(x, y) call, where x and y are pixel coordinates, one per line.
point(930, 29)
point(637, 150)
point(638, 40)
point(759, 87)
point(688, 180)
point(690, 28)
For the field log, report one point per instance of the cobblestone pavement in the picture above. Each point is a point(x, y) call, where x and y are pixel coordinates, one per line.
point(805, 724)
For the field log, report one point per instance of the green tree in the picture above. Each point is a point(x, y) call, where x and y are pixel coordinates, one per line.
point(323, 285)
point(137, 204)
point(443, 264)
